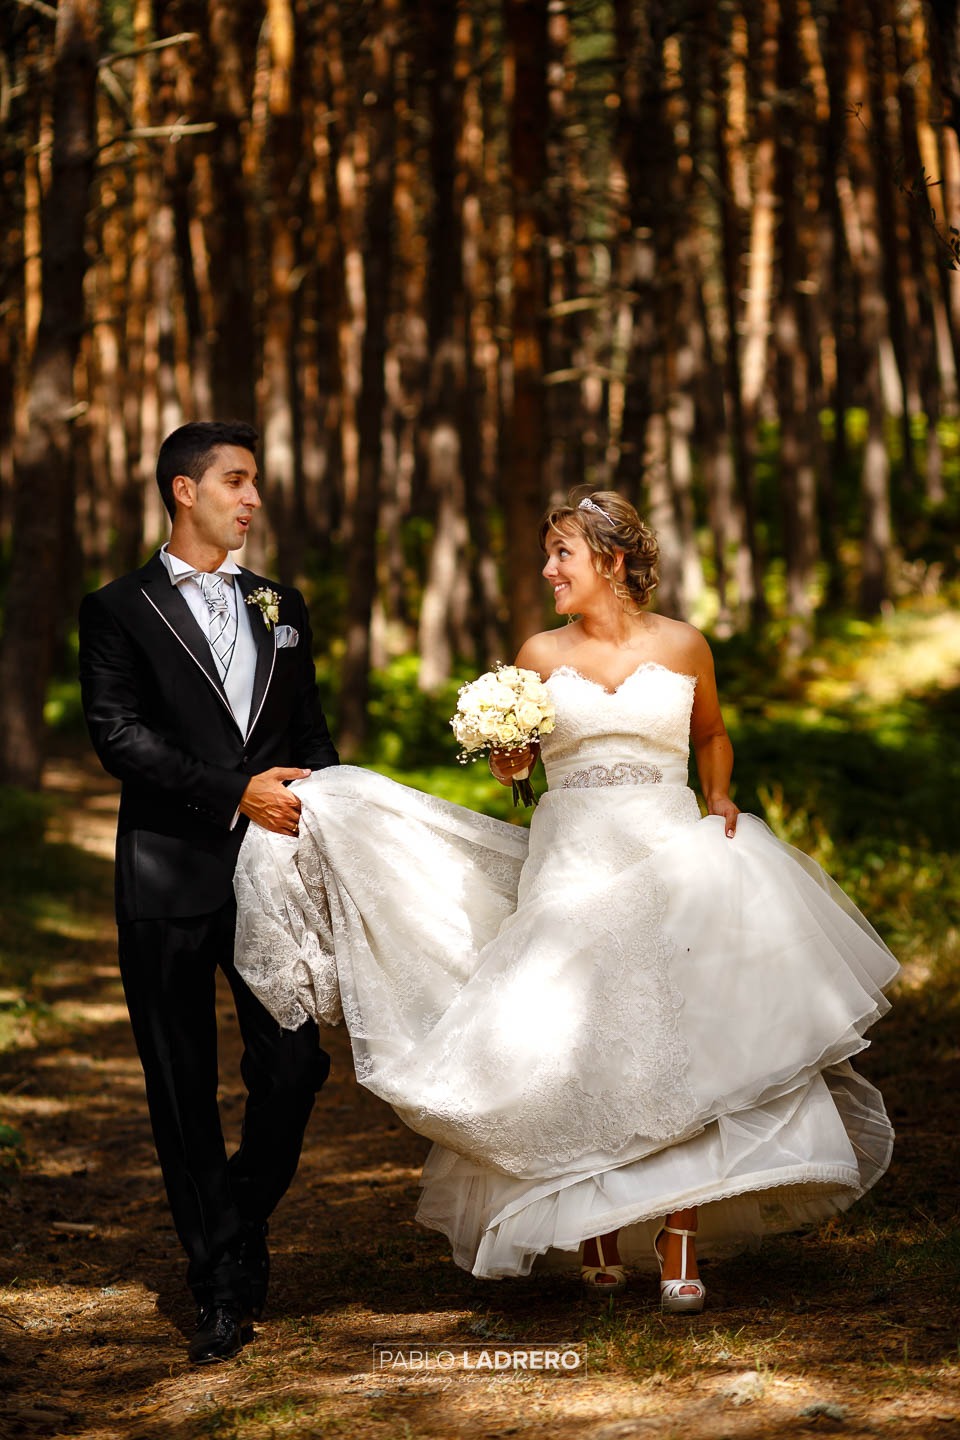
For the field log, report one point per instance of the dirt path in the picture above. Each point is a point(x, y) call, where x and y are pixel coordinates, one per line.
point(847, 1331)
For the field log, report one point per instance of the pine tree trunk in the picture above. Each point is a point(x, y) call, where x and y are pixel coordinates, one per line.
point(760, 274)
point(838, 282)
point(945, 49)
point(378, 269)
point(731, 166)
point(452, 437)
point(111, 460)
point(798, 493)
point(645, 146)
point(894, 239)
point(922, 278)
point(525, 25)
point(44, 473)
point(317, 363)
point(443, 443)
point(281, 162)
point(128, 501)
point(680, 288)
point(858, 197)
point(232, 27)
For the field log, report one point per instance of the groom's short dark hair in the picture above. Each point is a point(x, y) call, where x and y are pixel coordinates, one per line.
point(187, 451)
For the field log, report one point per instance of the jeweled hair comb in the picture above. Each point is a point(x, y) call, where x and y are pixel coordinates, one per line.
point(587, 504)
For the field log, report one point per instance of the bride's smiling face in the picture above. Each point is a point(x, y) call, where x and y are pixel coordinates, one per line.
point(571, 573)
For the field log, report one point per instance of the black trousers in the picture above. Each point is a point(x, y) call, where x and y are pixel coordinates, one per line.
point(169, 971)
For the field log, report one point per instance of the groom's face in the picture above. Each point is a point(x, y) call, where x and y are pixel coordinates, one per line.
point(222, 502)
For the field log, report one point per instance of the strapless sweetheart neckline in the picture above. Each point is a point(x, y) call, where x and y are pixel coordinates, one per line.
point(644, 665)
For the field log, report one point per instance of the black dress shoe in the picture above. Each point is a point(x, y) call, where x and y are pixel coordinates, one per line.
point(219, 1334)
point(255, 1265)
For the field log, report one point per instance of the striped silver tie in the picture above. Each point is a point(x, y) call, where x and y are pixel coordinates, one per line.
point(223, 623)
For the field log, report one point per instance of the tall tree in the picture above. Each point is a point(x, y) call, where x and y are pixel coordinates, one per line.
point(859, 194)
point(525, 31)
point(729, 99)
point(378, 271)
point(44, 463)
point(283, 173)
point(446, 447)
point(793, 380)
point(946, 53)
point(222, 87)
point(645, 143)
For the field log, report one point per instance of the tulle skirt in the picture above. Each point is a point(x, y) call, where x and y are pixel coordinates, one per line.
point(621, 1015)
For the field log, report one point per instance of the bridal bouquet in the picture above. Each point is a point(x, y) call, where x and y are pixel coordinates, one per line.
point(504, 709)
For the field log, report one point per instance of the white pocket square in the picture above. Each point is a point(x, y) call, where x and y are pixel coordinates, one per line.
point(287, 637)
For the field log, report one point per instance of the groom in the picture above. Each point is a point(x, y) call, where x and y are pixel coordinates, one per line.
point(199, 693)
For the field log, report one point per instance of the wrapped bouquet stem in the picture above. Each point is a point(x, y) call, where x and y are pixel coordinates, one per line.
point(523, 791)
point(505, 709)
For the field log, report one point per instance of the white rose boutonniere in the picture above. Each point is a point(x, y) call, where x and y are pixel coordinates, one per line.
point(267, 602)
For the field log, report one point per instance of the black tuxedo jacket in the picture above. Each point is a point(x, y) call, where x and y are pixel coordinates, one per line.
point(160, 721)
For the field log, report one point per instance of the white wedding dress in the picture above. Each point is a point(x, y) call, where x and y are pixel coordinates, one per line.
point(620, 1015)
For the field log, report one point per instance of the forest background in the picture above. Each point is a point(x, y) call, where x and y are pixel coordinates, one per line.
point(453, 259)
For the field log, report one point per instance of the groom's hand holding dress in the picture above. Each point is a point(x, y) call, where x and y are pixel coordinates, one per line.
point(267, 802)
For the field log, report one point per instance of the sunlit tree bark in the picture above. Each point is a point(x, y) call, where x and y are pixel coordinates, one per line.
point(282, 173)
point(645, 144)
point(232, 29)
point(377, 270)
point(797, 486)
point(525, 26)
point(858, 196)
point(44, 459)
point(733, 200)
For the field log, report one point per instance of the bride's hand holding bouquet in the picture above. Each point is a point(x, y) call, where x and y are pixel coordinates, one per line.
point(505, 712)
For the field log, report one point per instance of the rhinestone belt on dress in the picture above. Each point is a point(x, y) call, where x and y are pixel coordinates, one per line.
point(625, 772)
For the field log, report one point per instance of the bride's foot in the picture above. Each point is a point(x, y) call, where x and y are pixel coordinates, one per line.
point(601, 1269)
point(681, 1288)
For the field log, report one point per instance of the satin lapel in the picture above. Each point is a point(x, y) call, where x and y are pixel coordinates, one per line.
point(175, 612)
point(266, 642)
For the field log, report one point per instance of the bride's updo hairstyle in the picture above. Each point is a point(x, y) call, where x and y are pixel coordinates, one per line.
point(610, 524)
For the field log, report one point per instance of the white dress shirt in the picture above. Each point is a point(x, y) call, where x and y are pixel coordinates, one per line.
point(243, 663)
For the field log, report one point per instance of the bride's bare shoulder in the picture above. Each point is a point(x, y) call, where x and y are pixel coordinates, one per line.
point(544, 652)
point(684, 644)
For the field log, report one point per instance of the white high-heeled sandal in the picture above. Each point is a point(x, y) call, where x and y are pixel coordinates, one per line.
point(590, 1275)
point(670, 1290)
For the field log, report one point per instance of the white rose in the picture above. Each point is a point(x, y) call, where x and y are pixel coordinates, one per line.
point(508, 732)
point(482, 694)
point(546, 725)
point(502, 697)
point(528, 715)
point(487, 725)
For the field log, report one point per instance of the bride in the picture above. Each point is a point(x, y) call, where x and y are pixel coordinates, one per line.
point(629, 1031)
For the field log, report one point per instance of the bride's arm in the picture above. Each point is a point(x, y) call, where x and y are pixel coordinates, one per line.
point(711, 743)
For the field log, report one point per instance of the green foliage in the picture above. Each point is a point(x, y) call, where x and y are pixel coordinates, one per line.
point(409, 726)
